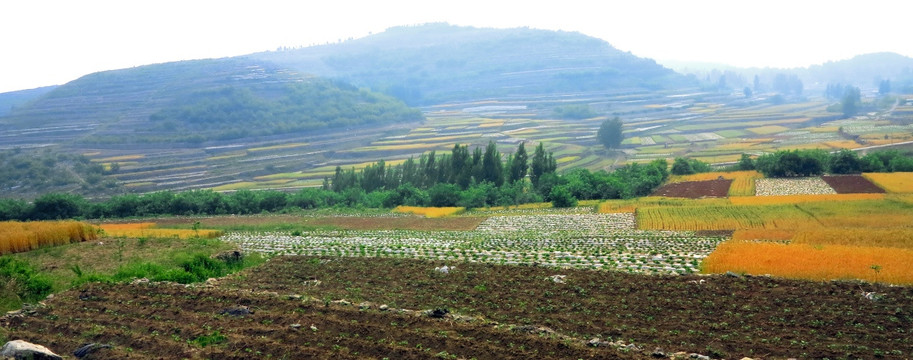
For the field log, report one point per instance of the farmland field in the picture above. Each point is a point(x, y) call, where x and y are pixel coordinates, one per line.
point(710, 127)
point(851, 184)
point(326, 307)
point(527, 282)
point(695, 189)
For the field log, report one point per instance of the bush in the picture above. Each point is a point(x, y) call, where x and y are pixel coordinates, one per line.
point(562, 198)
point(794, 163)
point(443, 195)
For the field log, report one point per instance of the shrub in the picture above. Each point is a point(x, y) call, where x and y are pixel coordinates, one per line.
point(562, 198)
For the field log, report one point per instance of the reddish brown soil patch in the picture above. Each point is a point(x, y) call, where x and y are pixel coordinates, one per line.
point(695, 189)
point(851, 184)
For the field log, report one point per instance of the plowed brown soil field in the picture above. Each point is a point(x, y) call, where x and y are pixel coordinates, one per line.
point(518, 311)
point(695, 189)
point(852, 184)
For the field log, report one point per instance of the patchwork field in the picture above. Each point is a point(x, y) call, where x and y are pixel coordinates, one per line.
point(526, 281)
point(710, 127)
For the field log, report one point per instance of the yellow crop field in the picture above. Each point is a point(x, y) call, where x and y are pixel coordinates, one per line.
point(567, 159)
point(892, 238)
point(120, 158)
point(426, 146)
point(729, 217)
point(813, 262)
point(491, 124)
point(743, 184)
point(904, 198)
point(630, 205)
point(763, 234)
point(769, 129)
point(227, 156)
point(279, 147)
point(899, 182)
point(24, 236)
point(717, 158)
point(148, 230)
point(425, 139)
point(430, 212)
point(715, 175)
point(798, 199)
point(823, 129)
point(235, 186)
point(523, 131)
point(843, 144)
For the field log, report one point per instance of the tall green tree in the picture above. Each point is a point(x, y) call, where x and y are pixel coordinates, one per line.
point(492, 168)
point(852, 99)
point(519, 165)
point(542, 163)
point(610, 134)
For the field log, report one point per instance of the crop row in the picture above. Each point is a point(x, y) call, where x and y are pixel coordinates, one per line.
point(586, 223)
point(625, 250)
point(802, 186)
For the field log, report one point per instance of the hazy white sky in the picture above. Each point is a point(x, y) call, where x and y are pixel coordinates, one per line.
point(46, 42)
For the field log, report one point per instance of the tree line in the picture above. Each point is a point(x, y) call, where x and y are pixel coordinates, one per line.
point(810, 162)
point(472, 179)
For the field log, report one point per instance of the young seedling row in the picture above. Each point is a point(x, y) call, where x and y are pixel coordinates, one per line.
point(595, 241)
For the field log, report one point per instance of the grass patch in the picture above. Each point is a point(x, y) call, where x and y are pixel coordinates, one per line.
point(112, 260)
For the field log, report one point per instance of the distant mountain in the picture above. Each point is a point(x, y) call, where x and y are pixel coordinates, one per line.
point(864, 70)
point(196, 101)
point(14, 99)
point(436, 63)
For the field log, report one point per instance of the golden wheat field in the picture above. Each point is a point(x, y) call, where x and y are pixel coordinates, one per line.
point(899, 182)
point(763, 234)
point(724, 217)
point(430, 212)
point(887, 238)
point(812, 262)
point(796, 199)
point(24, 236)
point(148, 230)
point(630, 205)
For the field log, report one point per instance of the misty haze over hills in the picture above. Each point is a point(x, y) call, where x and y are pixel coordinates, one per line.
point(199, 115)
point(435, 63)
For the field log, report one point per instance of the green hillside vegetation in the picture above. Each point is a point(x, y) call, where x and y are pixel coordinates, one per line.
point(198, 101)
point(27, 173)
point(434, 63)
point(14, 99)
point(231, 112)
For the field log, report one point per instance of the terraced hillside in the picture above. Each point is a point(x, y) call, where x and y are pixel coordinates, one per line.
point(434, 63)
